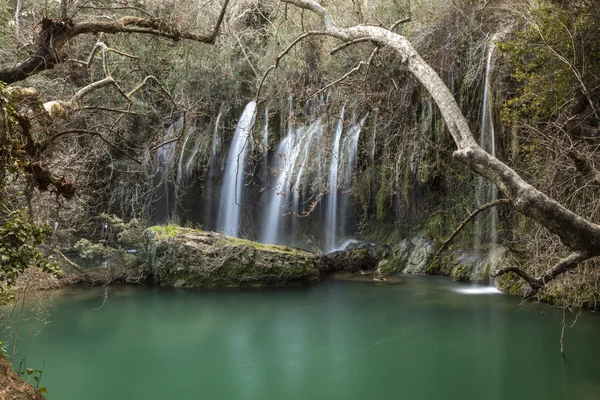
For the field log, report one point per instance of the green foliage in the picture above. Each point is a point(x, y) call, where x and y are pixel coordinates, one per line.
point(20, 237)
point(553, 58)
point(382, 197)
point(121, 236)
point(19, 248)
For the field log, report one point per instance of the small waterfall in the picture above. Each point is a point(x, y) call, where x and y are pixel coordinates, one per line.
point(207, 194)
point(374, 139)
point(233, 178)
point(289, 150)
point(331, 211)
point(179, 178)
point(314, 129)
point(166, 200)
point(295, 161)
point(265, 147)
point(348, 156)
point(270, 232)
point(487, 191)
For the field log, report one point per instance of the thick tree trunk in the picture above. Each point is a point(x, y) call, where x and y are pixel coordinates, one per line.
point(577, 233)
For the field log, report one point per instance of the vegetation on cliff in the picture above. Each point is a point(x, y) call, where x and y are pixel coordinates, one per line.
point(88, 133)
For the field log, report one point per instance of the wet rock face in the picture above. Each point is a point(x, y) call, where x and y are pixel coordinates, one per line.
point(356, 257)
point(184, 257)
point(470, 265)
point(409, 256)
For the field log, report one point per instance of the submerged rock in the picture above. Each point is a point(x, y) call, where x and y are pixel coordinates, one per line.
point(185, 257)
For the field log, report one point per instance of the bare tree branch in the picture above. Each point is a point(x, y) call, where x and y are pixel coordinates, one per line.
point(282, 54)
point(467, 220)
point(536, 283)
point(53, 34)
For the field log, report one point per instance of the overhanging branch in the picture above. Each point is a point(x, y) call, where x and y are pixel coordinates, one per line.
point(577, 233)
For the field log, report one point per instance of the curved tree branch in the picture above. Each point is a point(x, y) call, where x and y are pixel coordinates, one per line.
point(466, 221)
point(577, 233)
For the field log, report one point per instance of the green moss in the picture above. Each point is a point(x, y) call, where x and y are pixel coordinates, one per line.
point(169, 230)
point(382, 198)
point(231, 241)
point(433, 268)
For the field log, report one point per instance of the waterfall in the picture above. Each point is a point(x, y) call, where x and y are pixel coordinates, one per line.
point(179, 178)
point(294, 152)
point(233, 178)
point(331, 211)
point(265, 147)
point(308, 133)
point(273, 215)
point(270, 232)
point(487, 191)
point(207, 194)
point(348, 156)
point(166, 200)
point(289, 150)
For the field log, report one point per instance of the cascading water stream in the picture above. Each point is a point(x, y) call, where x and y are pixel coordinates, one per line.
point(179, 178)
point(233, 178)
point(331, 210)
point(208, 191)
point(487, 191)
point(290, 149)
point(311, 131)
point(270, 231)
point(265, 143)
point(166, 164)
point(348, 158)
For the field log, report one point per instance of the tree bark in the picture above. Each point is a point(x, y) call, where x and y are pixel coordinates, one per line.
point(577, 233)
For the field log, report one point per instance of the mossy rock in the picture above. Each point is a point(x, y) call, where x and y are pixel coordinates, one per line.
point(356, 257)
point(469, 265)
point(410, 256)
point(185, 257)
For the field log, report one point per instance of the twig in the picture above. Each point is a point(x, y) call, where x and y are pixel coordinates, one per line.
point(283, 53)
point(350, 43)
point(399, 22)
point(104, 300)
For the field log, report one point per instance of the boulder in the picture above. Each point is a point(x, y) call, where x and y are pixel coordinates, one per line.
point(410, 256)
point(184, 257)
point(356, 257)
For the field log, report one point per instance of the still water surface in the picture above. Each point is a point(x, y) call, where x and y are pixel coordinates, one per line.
point(420, 339)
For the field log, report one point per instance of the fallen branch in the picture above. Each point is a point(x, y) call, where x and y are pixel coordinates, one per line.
point(74, 266)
